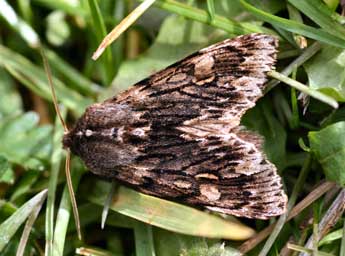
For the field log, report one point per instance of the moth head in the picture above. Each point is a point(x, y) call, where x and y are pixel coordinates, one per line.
point(100, 137)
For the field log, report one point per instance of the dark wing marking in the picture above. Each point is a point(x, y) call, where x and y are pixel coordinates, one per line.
point(176, 134)
point(224, 173)
point(220, 82)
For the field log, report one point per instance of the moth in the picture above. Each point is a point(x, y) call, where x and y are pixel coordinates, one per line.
point(177, 133)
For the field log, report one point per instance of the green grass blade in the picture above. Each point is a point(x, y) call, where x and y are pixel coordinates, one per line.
point(144, 245)
point(35, 79)
point(28, 226)
point(226, 24)
point(9, 227)
point(210, 9)
point(317, 11)
point(305, 89)
point(295, 15)
point(169, 215)
point(73, 78)
point(25, 184)
point(296, 27)
point(25, 10)
point(299, 61)
point(329, 238)
point(70, 7)
point(53, 180)
point(101, 32)
point(19, 25)
point(63, 215)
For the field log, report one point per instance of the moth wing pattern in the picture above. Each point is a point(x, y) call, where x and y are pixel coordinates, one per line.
point(177, 134)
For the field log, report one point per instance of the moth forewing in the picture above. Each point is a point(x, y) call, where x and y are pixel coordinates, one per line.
point(176, 134)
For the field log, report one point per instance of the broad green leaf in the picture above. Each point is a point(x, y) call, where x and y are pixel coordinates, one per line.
point(6, 172)
point(9, 227)
point(8, 176)
point(23, 142)
point(337, 116)
point(4, 165)
point(330, 80)
point(169, 215)
point(10, 103)
point(328, 146)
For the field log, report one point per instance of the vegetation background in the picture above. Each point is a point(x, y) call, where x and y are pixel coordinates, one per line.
point(305, 137)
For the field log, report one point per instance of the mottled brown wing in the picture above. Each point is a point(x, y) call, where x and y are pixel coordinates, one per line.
point(225, 173)
point(176, 134)
point(216, 85)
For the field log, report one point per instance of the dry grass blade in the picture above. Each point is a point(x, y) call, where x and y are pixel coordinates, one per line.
point(91, 251)
point(330, 218)
point(299, 248)
point(120, 28)
point(308, 200)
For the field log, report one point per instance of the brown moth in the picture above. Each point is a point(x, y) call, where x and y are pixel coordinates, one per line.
point(177, 133)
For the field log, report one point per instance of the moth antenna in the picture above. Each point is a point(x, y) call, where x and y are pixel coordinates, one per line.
point(71, 193)
point(50, 82)
point(68, 155)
